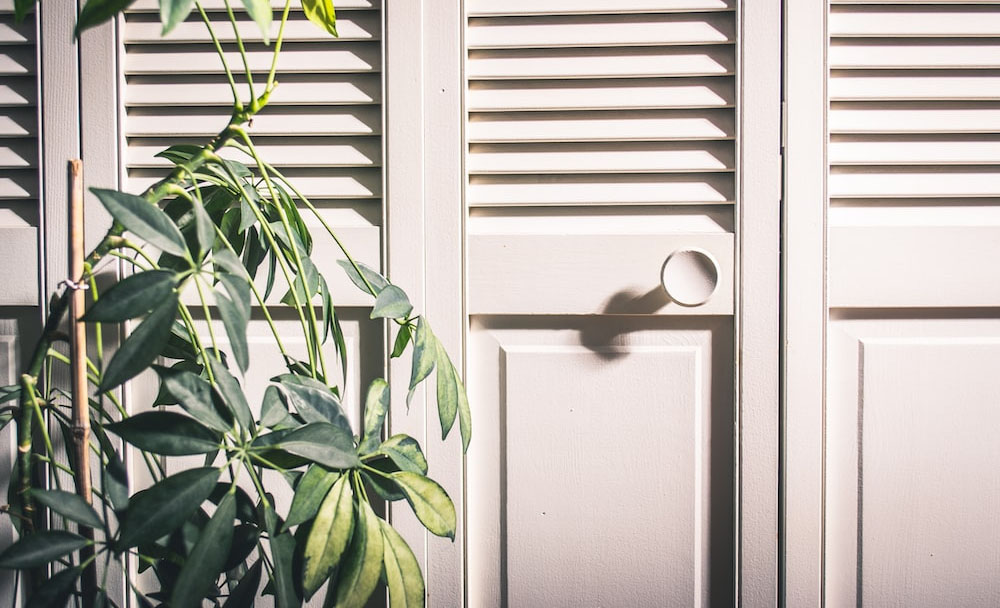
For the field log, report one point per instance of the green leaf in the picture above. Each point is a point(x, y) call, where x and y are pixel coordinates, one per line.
point(166, 433)
point(145, 220)
point(464, 415)
point(447, 392)
point(402, 339)
point(385, 488)
point(424, 355)
point(430, 502)
point(142, 346)
point(360, 573)
point(202, 567)
point(316, 404)
point(40, 548)
point(227, 261)
point(283, 554)
point(21, 8)
point(377, 281)
point(260, 12)
point(405, 452)
point(194, 394)
point(245, 537)
point(165, 506)
point(231, 393)
point(322, 14)
point(96, 12)
point(391, 303)
point(245, 593)
point(10, 393)
point(204, 229)
point(376, 408)
point(70, 506)
point(320, 442)
point(328, 536)
point(114, 478)
point(273, 413)
point(173, 12)
point(132, 297)
point(56, 590)
point(309, 494)
point(402, 571)
point(235, 313)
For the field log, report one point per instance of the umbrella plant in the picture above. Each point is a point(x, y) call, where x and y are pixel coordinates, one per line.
point(228, 233)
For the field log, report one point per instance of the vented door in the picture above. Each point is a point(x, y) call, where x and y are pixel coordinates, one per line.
point(601, 142)
point(912, 499)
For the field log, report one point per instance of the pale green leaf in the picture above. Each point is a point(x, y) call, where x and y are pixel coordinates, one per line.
point(260, 12)
point(430, 502)
point(424, 355)
point(360, 573)
point(391, 303)
point(328, 536)
point(309, 494)
point(376, 280)
point(321, 13)
point(402, 570)
point(405, 452)
point(173, 12)
point(376, 408)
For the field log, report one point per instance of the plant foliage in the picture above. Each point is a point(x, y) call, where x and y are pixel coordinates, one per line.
point(225, 234)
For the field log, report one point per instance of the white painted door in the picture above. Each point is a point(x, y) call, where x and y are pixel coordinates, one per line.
point(891, 490)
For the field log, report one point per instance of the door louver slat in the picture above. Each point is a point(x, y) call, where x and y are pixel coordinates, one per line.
point(915, 100)
point(598, 103)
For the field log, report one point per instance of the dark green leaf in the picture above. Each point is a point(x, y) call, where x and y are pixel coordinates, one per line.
point(391, 303)
point(359, 575)
point(227, 261)
point(40, 548)
point(96, 12)
point(142, 346)
point(309, 493)
point(406, 453)
point(430, 502)
point(145, 220)
point(231, 393)
point(159, 510)
point(10, 393)
point(179, 345)
point(205, 562)
point(447, 392)
point(283, 554)
point(204, 229)
point(173, 12)
point(166, 433)
point(70, 506)
point(245, 538)
point(244, 593)
point(402, 571)
point(321, 13)
point(132, 297)
point(273, 413)
point(114, 478)
point(21, 9)
point(376, 407)
point(424, 355)
point(317, 405)
point(376, 280)
point(320, 442)
point(56, 590)
point(385, 488)
point(328, 536)
point(235, 313)
point(194, 394)
point(402, 339)
point(260, 12)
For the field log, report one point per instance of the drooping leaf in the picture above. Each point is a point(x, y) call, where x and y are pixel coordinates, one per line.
point(328, 536)
point(320, 442)
point(231, 393)
point(245, 592)
point(385, 488)
point(376, 407)
point(145, 220)
point(166, 433)
point(235, 313)
point(316, 404)
point(402, 570)
point(361, 570)
point(260, 12)
point(194, 394)
point(114, 479)
point(142, 346)
point(204, 229)
point(56, 590)
point(273, 413)
point(402, 339)
point(96, 12)
point(447, 392)
point(405, 452)
point(424, 355)
point(173, 12)
point(430, 502)
point(321, 13)
point(71, 506)
point(283, 554)
point(226, 260)
point(391, 303)
point(132, 297)
point(245, 537)
point(376, 280)
point(464, 416)
point(305, 284)
point(309, 494)
point(207, 558)
point(162, 508)
point(21, 9)
point(40, 548)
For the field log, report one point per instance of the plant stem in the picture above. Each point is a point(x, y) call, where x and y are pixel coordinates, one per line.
point(277, 50)
point(243, 53)
point(237, 104)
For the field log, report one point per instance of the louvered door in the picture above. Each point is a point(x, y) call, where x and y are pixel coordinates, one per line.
point(912, 505)
point(601, 139)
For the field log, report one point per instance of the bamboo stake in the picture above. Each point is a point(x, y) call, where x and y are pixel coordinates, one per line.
point(78, 364)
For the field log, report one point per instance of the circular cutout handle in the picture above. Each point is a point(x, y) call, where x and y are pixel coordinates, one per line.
point(690, 276)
